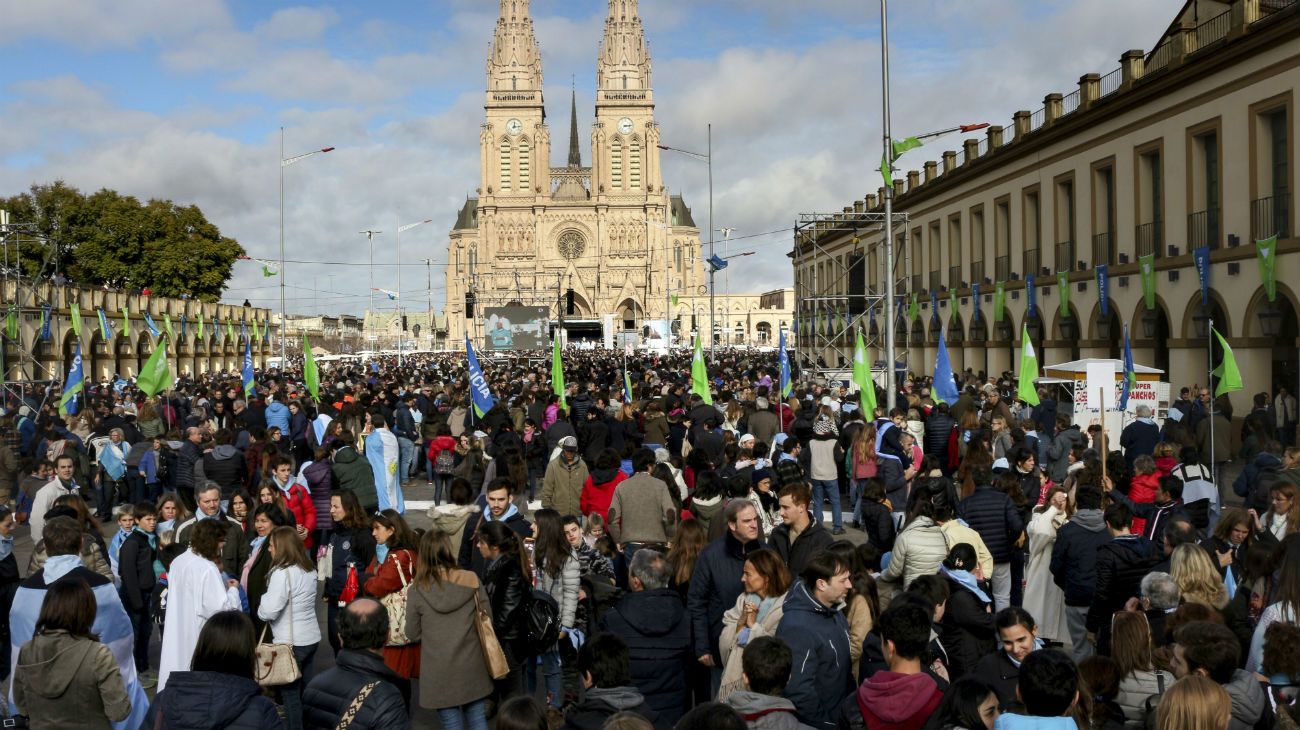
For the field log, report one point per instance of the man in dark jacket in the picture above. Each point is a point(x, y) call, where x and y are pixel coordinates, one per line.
point(1067, 437)
point(190, 454)
point(992, 514)
point(235, 551)
point(938, 428)
point(715, 582)
point(1074, 565)
point(798, 537)
point(1140, 437)
point(494, 506)
point(224, 464)
point(652, 621)
point(363, 630)
point(1166, 509)
point(818, 636)
point(603, 662)
point(1121, 563)
point(353, 473)
point(407, 434)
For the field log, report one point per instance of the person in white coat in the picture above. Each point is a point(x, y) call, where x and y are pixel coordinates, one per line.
point(1045, 600)
point(289, 608)
point(195, 591)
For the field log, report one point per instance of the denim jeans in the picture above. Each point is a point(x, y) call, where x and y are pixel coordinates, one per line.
point(291, 693)
point(441, 487)
point(551, 675)
point(466, 717)
point(855, 498)
point(827, 489)
point(405, 458)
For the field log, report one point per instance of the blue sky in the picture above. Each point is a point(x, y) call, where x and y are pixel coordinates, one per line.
point(184, 99)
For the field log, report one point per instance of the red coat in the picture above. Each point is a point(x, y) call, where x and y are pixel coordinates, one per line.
point(1143, 491)
point(596, 497)
point(380, 580)
point(438, 445)
point(300, 504)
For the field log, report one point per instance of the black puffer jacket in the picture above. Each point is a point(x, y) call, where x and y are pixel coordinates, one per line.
point(998, 671)
point(1074, 556)
point(328, 695)
point(878, 523)
point(994, 516)
point(1121, 565)
point(225, 466)
point(967, 630)
point(506, 591)
point(658, 636)
point(938, 429)
point(715, 585)
point(212, 701)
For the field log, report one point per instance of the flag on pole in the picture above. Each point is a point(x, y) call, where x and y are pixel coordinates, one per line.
point(557, 370)
point(887, 162)
point(627, 386)
point(675, 299)
point(11, 323)
point(1130, 373)
point(268, 271)
point(480, 392)
point(1103, 288)
point(1201, 257)
point(151, 325)
point(184, 322)
point(862, 378)
point(390, 294)
point(1025, 389)
point(310, 373)
point(105, 327)
point(257, 333)
point(167, 326)
point(156, 375)
point(914, 309)
point(945, 387)
point(699, 372)
point(75, 315)
point(126, 322)
point(1147, 265)
point(69, 402)
point(1227, 373)
point(952, 305)
point(45, 322)
point(783, 360)
point(246, 373)
point(1267, 252)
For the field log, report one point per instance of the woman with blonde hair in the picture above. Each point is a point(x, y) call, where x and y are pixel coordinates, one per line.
point(1130, 647)
point(1197, 578)
point(757, 612)
point(1194, 703)
point(446, 599)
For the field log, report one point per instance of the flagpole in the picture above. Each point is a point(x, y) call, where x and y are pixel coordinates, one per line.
point(1209, 385)
point(891, 396)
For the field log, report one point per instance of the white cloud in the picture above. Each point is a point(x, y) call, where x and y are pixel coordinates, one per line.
point(297, 24)
point(94, 24)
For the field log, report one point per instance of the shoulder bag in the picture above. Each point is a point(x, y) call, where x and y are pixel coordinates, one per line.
point(276, 664)
point(493, 656)
point(395, 604)
point(354, 708)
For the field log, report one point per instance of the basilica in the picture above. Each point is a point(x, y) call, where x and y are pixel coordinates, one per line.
point(603, 248)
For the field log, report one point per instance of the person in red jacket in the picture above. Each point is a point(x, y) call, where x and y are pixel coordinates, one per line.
point(903, 697)
point(1142, 489)
point(296, 497)
point(598, 490)
point(440, 474)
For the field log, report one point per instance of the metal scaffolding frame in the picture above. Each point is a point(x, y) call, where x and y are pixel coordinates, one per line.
point(825, 326)
point(26, 300)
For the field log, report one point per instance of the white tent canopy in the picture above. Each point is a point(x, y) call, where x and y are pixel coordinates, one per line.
point(1081, 366)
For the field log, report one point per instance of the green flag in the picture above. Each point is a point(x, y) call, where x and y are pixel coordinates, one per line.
point(674, 298)
point(1063, 283)
point(1147, 265)
point(1227, 373)
point(862, 378)
point(1025, 389)
point(700, 373)
point(914, 309)
point(156, 375)
point(1267, 252)
point(11, 323)
point(268, 271)
point(126, 322)
point(999, 301)
point(257, 333)
point(900, 146)
point(310, 374)
point(167, 326)
point(75, 315)
point(230, 330)
point(557, 370)
point(952, 305)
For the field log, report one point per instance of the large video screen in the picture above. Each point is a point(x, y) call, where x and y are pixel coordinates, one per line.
point(516, 328)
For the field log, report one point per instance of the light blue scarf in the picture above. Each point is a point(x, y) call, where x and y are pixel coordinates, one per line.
point(6, 547)
point(966, 580)
point(381, 553)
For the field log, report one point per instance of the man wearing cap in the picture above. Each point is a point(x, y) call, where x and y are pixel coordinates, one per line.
point(565, 475)
point(763, 423)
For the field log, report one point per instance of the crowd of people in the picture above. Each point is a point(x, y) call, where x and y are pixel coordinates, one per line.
point(644, 552)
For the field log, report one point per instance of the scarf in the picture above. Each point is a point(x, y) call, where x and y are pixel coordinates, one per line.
point(60, 565)
point(381, 553)
point(966, 579)
point(765, 605)
point(1038, 644)
point(6, 547)
point(152, 537)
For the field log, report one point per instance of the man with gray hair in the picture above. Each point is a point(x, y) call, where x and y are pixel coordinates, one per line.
point(1160, 597)
point(652, 620)
point(1140, 437)
point(763, 423)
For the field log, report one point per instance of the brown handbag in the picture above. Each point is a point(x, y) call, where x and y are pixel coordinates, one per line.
point(493, 656)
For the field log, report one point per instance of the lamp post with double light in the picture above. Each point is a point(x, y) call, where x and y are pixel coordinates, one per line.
point(285, 162)
point(708, 158)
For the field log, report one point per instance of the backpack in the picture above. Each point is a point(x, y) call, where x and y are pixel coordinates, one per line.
point(542, 620)
point(445, 464)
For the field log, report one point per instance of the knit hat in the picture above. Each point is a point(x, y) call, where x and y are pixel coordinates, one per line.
point(759, 475)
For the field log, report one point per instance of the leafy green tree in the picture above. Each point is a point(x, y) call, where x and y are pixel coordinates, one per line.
point(114, 239)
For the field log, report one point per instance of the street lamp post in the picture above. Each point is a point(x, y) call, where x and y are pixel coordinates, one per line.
point(708, 158)
point(285, 162)
point(400, 308)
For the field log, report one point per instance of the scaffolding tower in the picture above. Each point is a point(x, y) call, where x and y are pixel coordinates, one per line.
point(830, 306)
point(20, 366)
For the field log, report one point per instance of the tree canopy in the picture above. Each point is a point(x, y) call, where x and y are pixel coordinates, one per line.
point(107, 238)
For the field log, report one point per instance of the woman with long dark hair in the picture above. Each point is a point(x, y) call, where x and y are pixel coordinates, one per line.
point(392, 568)
point(969, 704)
point(757, 612)
point(507, 580)
point(219, 689)
point(556, 574)
point(352, 548)
point(266, 518)
point(920, 547)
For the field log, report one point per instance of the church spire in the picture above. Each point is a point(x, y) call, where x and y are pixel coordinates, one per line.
point(514, 61)
point(575, 153)
point(624, 60)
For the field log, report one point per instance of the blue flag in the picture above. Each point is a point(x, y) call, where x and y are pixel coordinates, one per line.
point(716, 262)
point(105, 327)
point(478, 385)
point(45, 323)
point(945, 388)
point(934, 306)
point(1103, 288)
point(1031, 294)
point(151, 325)
point(1202, 258)
point(70, 402)
point(247, 372)
point(184, 321)
point(783, 358)
point(975, 296)
point(1130, 374)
